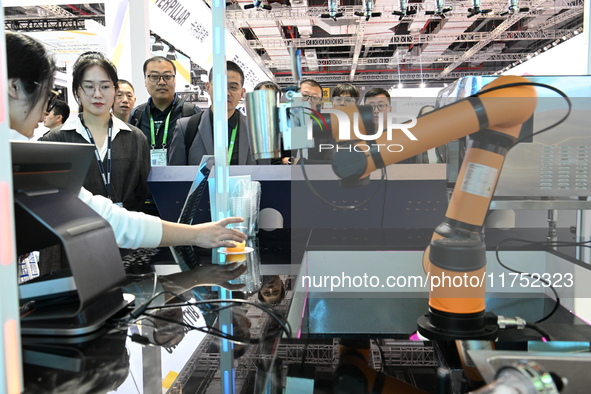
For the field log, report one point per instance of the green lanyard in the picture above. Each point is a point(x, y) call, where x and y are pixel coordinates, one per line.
point(153, 135)
point(232, 140)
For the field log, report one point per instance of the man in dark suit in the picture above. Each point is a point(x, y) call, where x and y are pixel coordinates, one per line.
point(186, 150)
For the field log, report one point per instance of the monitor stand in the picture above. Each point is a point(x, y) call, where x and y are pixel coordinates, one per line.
point(79, 304)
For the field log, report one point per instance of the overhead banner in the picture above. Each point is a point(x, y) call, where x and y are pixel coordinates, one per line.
point(188, 26)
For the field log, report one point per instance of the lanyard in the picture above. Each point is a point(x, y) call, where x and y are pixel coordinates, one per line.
point(106, 175)
point(232, 140)
point(153, 135)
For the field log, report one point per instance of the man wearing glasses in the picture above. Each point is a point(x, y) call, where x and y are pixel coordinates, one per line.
point(157, 118)
point(344, 94)
point(193, 137)
point(379, 99)
point(312, 93)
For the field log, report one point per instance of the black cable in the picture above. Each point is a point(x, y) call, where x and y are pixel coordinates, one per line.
point(344, 207)
point(541, 243)
point(231, 303)
point(140, 309)
point(538, 329)
point(269, 311)
point(142, 340)
point(216, 332)
point(537, 84)
point(556, 304)
point(206, 330)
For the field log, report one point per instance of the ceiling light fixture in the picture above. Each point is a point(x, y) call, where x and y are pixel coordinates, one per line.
point(157, 46)
point(476, 9)
point(440, 9)
point(514, 8)
point(405, 10)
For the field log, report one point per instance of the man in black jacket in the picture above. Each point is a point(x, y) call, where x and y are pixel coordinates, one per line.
point(57, 116)
point(157, 118)
point(189, 150)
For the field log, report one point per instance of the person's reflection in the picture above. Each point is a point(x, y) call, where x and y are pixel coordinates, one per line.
point(182, 282)
point(168, 329)
point(273, 290)
point(168, 326)
point(241, 330)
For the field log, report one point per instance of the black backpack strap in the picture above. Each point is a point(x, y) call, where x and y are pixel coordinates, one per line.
point(191, 132)
point(136, 115)
point(188, 109)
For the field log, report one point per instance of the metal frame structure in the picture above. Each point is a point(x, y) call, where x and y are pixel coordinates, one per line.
point(417, 47)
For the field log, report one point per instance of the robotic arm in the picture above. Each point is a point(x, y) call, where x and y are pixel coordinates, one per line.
point(457, 249)
point(493, 119)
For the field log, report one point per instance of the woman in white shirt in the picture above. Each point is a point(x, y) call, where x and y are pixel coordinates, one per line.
point(30, 72)
point(121, 162)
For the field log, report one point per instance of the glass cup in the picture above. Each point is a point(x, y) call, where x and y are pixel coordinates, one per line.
point(242, 207)
point(252, 278)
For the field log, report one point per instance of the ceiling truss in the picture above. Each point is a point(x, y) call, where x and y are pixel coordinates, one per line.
point(408, 39)
point(381, 49)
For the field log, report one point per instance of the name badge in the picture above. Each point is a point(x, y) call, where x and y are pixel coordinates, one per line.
point(158, 157)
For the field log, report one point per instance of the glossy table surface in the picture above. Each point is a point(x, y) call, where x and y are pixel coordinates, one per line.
point(112, 362)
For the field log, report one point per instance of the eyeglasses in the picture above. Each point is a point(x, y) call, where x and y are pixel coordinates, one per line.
point(52, 96)
point(89, 88)
point(379, 107)
point(312, 99)
point(157, 77)
point(344, 100)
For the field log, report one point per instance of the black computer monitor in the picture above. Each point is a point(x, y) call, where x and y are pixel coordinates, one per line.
point(42, 166)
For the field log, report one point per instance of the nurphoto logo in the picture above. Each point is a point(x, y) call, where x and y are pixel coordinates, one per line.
point(395, 123)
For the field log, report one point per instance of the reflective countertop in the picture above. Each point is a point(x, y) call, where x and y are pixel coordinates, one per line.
point(113, 362)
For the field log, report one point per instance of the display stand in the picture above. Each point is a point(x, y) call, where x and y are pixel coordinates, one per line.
point(93, 258)
point(47, 179)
